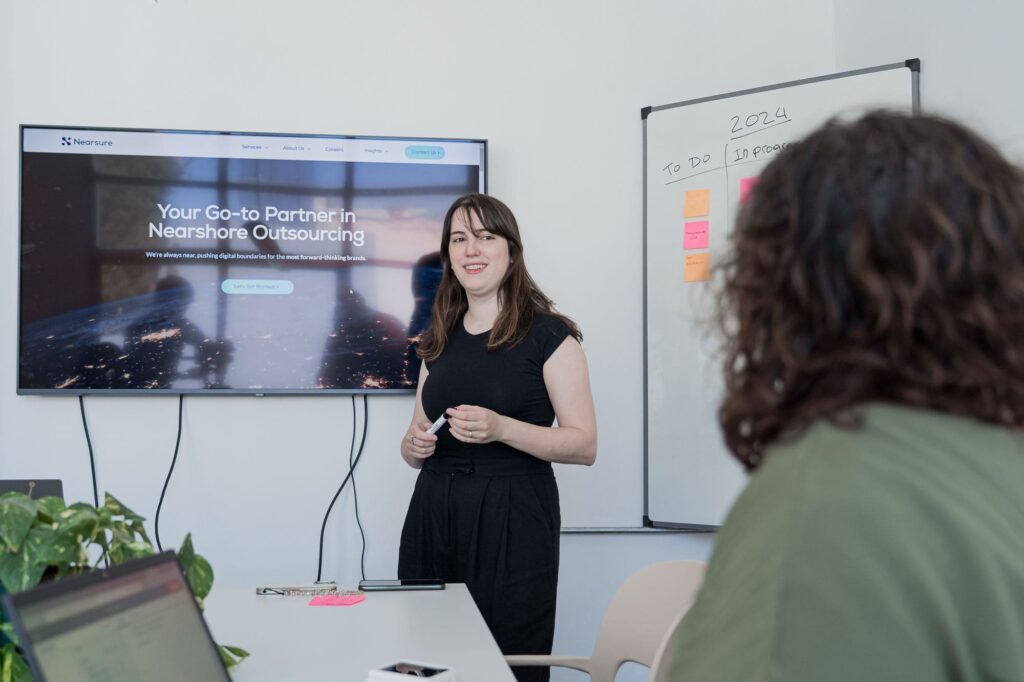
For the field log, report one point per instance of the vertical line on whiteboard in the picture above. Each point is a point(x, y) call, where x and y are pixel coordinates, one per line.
point(728, 204)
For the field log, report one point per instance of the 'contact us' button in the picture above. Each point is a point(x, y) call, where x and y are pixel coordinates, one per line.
point(424, 151)
point(257, 286)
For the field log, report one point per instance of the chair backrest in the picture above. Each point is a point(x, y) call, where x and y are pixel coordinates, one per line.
point(661, 668)
point(649, 605)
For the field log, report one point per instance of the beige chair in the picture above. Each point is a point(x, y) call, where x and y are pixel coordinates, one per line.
point(638, 624)
point(661, 668)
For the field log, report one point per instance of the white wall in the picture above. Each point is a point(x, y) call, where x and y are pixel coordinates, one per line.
point(556, 87)
point(970, 54)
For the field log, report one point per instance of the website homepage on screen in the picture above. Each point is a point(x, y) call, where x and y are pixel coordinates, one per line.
point(229, 262)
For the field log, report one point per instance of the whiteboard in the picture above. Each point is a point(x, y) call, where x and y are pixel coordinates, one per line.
point(699, 157)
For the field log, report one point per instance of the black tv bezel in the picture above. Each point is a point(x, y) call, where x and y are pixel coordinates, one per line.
point(261, 392)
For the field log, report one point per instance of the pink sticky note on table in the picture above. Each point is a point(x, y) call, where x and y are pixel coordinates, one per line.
point(695, 235)
point(746, 184)
point(336, 599)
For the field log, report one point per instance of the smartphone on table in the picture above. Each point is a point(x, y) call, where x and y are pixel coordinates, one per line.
point(405, 584)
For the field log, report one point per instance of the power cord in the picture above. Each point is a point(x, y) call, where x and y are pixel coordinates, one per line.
point(323, 526)
point(92, 462)
point(351, 471)
point(352, 468)
point(174, 460)
point(92, 458)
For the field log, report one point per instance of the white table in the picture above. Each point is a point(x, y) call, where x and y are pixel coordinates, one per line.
point(289, 640)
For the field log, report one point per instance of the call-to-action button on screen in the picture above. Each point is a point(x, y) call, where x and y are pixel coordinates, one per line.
point(257, 286)
point(423, 151)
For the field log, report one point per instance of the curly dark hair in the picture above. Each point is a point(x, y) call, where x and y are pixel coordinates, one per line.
point(876, 260)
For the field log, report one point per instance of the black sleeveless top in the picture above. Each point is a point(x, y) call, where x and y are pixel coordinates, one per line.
point(509, 381)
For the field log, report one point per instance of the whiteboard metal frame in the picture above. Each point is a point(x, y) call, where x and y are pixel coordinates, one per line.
point(915, 73)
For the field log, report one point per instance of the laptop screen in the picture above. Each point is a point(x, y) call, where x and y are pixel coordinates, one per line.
point(136, 621)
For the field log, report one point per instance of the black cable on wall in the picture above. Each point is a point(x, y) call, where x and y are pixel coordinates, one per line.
point(92, 461)
point(353, 458)
point(92, 457)
point(352, 468)
point(174, 460)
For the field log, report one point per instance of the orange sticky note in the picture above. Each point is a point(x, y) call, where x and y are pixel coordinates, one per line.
point(695, 203)
point(336, 600)
point(695, 235)
point(746, 184)
point(698, 267)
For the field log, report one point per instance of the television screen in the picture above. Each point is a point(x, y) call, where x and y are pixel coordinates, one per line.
point(188, 262)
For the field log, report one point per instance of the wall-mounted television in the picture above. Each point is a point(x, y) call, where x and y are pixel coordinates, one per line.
point(172, 261)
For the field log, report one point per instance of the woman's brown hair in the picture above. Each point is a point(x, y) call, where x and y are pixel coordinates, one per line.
point(876, 260)
point(519, 297)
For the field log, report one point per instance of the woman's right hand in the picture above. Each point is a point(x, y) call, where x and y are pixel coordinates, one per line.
point(418, 444)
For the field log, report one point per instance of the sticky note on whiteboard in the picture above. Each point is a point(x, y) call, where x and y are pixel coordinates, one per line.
point(695, 203)
point(697, 267)
point(746, 184)
point(695, 235)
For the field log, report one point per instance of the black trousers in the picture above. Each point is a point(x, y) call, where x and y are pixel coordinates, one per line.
point(499, 535)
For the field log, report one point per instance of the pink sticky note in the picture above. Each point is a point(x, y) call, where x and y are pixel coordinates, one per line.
point(695, 235)
point(336, 600)
point(746, 184)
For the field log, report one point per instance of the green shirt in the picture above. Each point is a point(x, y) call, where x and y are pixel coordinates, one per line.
point(890, 552)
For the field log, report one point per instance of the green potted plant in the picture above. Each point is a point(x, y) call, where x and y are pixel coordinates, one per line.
point(45, 539)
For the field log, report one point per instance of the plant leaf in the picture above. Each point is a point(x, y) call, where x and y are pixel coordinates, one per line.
point(138, 528)
point(78, 523)
point(186, 553)
point(116, 507)
point(17, 571)
point(46, 547)
point(197, 569)
point(17, 512)
point(12, 666)
point(136, 550)
point(6, 661)
point(73, 570)
point(7, 631)
point(19, 668)
point(50, 508)
point(231, 655)
point(200, 576)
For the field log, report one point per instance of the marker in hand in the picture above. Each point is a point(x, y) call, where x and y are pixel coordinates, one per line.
point(436, 426)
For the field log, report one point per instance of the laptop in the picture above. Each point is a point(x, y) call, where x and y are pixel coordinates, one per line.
point(135, 621)
point(34, 488)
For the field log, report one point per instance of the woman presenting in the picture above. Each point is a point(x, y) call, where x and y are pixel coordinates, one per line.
point(502, 365)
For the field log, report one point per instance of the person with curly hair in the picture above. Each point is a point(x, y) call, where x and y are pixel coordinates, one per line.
point(872, 306)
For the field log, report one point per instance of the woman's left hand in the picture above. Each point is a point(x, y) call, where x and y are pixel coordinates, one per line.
point(472, 424)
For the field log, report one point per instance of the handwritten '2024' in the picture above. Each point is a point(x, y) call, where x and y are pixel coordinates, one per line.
point(758, 121)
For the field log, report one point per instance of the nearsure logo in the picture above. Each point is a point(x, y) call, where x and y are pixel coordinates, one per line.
point(78, 141)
